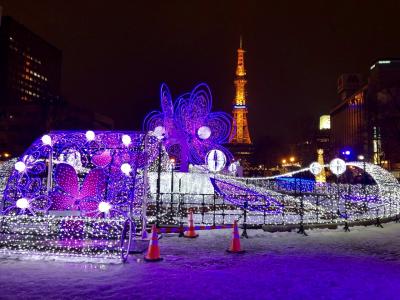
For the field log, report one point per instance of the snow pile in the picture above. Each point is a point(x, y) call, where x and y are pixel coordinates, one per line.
point(328, 264)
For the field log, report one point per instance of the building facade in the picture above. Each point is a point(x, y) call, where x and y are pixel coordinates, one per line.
point(30, 73)
point(30, 67)
point(367, 119)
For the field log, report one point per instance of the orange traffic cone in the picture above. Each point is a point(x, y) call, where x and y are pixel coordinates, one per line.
point(153, 252)
point(235, 243)
point(191, 233)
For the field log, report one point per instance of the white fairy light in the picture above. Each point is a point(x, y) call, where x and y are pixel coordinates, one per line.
point(126, 140)
point(215, 160)
point(337, 166)
point(204, 132)
point(159, 132)
point(22, 203)
point(126, 168)
point(104, 207)
point(20, 166)
point(90, 135)
point(315, 168)
point(46, 139)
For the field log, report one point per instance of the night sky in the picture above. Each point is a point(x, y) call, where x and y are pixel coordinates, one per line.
point(117, 53)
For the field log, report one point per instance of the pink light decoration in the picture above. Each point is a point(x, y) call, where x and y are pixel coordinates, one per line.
point(103, 159)
point(70, 196)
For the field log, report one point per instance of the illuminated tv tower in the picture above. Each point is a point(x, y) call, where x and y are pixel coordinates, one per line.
point(242, 135)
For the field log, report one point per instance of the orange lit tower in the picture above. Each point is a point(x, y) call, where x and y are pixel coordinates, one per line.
point(242, 135)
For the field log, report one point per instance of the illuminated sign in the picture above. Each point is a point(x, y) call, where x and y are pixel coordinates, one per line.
point(325, 122)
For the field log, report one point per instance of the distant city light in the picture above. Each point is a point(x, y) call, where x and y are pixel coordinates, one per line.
point(90, 135)
point(347, 152)
point(324, 122)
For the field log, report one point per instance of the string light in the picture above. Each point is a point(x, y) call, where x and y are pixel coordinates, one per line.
point(40, 183)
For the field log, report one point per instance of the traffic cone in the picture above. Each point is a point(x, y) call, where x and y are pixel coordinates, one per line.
point(191, 233)
point(153, 252)
point(235, 243)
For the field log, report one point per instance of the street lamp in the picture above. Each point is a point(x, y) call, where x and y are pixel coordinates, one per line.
point(292, 159)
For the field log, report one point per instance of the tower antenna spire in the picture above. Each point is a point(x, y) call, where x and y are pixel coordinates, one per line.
point(242, 135)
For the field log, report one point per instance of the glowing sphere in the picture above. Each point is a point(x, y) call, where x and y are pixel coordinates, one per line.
point(215, 160)
point(126, 168)
point(90, 135)
point(159, 132)
point(204, 132)
point(233, 167)
point(104, 207)
point(315, 168)
point(22, 203)
point(46, 139)
point(337, 166)
point(126, 140)
point(20, 166)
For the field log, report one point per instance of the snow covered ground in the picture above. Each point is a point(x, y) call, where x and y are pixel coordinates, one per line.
point(327, 264)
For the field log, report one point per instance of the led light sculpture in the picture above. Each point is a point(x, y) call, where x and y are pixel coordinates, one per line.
point(72, 193)
point(190, 129)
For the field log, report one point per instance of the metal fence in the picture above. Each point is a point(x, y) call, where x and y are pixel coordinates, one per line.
point(298, 208)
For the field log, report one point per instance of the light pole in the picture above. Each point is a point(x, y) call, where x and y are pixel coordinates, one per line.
point(172, 166)
point(362, 158)
point(338, 167)
point(158, 181)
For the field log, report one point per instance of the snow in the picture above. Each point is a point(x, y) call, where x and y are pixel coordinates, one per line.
point(327, 264)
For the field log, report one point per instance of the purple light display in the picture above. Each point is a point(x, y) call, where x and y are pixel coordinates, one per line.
point(247, 198)
point(191, 130)
point(67, 171)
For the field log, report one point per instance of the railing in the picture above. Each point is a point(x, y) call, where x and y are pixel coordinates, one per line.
point(308, 208)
